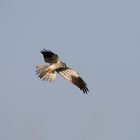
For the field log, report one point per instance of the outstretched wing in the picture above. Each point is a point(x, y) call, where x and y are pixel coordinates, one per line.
point(49, 56)
point(73, 77)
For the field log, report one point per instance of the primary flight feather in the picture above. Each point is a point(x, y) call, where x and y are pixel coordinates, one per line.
point(54, 65)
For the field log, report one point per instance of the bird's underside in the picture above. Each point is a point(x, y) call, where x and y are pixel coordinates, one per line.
point(48, 71)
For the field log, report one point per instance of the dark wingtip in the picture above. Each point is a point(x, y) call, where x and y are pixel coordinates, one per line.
point(85, 90)
point(45, 51)
point(83, 86)
point(79, 82)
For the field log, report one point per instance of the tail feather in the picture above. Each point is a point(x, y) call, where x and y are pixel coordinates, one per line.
point(41, 71)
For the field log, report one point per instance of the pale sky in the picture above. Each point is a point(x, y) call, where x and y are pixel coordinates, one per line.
point(100, 40)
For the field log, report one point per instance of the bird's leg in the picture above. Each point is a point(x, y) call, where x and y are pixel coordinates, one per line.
point(50, 69)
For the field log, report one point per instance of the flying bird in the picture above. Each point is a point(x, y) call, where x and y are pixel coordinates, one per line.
point(55, 65)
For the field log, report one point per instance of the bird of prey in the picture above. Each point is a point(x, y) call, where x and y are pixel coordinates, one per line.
point(54, 65)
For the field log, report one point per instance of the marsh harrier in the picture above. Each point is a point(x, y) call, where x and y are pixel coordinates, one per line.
point(54, 65)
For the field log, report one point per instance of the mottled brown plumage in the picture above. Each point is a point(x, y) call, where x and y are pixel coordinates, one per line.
point(48, 71)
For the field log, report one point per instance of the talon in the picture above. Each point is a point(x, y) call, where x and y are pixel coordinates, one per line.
point(49, 70)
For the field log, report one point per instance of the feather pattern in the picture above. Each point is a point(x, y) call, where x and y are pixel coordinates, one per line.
point(48, 71)
point(49, 56)
point(73, 77)
point(43, 74)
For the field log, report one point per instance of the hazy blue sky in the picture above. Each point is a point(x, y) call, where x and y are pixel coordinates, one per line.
point(98, 38)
